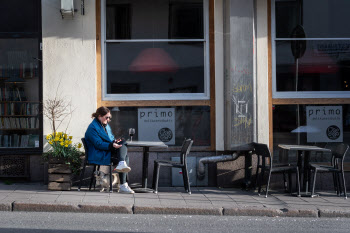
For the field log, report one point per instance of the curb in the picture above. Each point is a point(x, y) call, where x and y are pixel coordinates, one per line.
point(172, 210)
point(175, 210)
point(70, 207)
point(5, 206)
point(334, 213)
point(269, 212)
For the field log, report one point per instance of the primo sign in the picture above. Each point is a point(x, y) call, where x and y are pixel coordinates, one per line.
point(156, 124)
point(324, 123)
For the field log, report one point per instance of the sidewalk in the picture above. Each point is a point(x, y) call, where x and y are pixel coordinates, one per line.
point(170, 200)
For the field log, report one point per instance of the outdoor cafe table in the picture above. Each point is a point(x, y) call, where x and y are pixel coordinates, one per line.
point(303, 150)
point(145, 145)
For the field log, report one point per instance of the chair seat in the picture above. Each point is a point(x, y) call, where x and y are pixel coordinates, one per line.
point(283, 168)
point(323, 167)
point(168, 163)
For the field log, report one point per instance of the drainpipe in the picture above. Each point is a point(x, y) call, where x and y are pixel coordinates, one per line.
point(213, 159)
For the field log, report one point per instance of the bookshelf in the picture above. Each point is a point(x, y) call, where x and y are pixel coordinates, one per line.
point(19, 112)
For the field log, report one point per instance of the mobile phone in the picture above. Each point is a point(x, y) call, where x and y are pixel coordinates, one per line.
point(120, 142)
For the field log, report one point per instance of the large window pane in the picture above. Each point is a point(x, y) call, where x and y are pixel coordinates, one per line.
point(310, 125)
point(324, 66)
point(154, 19)
point(149, 67)
point(188, 122)
point(320, 18)
point(19, 16)
point(19, 93)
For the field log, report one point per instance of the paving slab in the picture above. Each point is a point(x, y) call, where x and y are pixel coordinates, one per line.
point(173, 200)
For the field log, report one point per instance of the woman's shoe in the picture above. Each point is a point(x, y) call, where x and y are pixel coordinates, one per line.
point(122, 167)
point(124, 188)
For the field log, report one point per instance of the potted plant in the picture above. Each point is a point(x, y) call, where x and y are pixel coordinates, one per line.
point(64, 157)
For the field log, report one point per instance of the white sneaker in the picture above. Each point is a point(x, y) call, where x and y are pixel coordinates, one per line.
point(124, 188)
point(122, 167)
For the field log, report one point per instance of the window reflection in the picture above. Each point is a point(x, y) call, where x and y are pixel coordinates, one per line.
point(325, 66)
point(190, 122)
point(310, 125)
point(320, 18)
point(155, 68)
point(154, 19)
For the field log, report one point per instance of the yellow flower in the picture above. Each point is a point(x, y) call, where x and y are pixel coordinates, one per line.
point(70, 137)
point(65, 136)
point(50, 142)
point(61, 140)
point(66, 145)
point(79, 145)
point(62, 144)
point(59, 133)
point(69, 142)
point(56, 139)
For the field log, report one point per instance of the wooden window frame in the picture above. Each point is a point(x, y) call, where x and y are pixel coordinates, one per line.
point(288, 101)
point(147, 103)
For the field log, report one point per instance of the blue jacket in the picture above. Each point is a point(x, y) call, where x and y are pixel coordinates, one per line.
point(98, 143)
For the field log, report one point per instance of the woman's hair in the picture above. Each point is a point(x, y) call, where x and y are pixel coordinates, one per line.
point(101, 111)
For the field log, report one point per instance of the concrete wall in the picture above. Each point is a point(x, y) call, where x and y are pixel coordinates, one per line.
point(69, 62)
point(219, 74)
point(262, 72)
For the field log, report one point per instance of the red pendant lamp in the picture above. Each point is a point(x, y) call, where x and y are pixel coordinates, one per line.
point(153, 60)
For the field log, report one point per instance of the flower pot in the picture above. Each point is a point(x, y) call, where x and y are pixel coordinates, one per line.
point(60, 175)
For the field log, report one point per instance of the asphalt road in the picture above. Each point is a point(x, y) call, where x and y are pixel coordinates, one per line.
point(78, 223)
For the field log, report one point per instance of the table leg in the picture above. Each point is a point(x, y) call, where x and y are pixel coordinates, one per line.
point(300, 166)
point(145, 166)
point(145, 160)
point(306, 171)
point(247, 170)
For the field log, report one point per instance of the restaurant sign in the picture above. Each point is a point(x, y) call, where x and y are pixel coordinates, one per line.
point(156, 124)
point(324, 123)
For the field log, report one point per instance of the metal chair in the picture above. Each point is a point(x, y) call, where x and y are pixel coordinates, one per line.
point(185, 150)
point(263, 153)
point(86, 163)
point(337, 167)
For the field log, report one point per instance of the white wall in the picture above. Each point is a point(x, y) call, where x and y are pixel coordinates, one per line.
point(262, 73)
point(69, 58)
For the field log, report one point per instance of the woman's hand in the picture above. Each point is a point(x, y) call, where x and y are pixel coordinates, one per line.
point(116, 146)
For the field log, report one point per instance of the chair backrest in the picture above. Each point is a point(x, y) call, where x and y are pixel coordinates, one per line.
point(85, 148)
point(263, 152)
point(339, 151)
point(185, 150)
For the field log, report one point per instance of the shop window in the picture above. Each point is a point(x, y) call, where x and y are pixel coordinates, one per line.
point(168, 124)
point(20, 79)
point(20, 16)
point(118, 21)
point(311, 49)
point(310, 125)
point(155, 50)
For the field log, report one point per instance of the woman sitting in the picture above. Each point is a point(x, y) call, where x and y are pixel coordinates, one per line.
point(104, 148)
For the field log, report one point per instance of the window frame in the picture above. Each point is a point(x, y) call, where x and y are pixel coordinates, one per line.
point(297, 94)
point(156, 96)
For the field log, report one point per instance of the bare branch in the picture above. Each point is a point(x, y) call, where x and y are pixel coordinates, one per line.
point(57, 109)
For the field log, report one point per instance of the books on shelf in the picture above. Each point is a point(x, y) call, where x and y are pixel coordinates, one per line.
point(19, 109)
point(19, 122)
point(19, 141)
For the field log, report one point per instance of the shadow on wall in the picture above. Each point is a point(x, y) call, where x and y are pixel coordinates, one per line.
point(79, 27)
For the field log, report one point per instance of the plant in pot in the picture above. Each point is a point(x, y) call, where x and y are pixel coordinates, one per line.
point(63, 156)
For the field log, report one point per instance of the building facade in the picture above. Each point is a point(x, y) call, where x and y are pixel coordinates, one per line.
point(224, 73)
